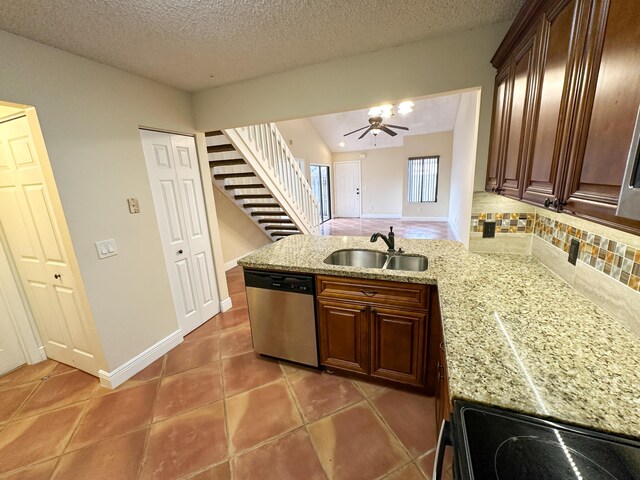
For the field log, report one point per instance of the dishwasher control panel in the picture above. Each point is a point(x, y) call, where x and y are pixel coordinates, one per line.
point(279, 281)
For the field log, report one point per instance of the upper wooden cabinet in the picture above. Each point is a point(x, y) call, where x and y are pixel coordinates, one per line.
point(564, 119)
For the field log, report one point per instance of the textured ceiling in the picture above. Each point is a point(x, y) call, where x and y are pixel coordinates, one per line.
point(430, 115)
point(195, 44)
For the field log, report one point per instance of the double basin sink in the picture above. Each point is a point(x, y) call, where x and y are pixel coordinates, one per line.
point(375, 259)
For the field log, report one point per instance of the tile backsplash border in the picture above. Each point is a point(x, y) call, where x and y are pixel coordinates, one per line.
point(615, 259)
point(612, 257)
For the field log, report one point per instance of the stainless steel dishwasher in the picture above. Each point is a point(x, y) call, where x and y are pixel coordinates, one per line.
point(282, 315)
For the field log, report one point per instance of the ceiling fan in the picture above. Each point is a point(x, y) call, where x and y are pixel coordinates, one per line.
point(376, 126)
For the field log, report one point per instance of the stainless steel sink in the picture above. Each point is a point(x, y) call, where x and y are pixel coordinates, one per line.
point(357, 258)
point(374, 259)
point(414, 263)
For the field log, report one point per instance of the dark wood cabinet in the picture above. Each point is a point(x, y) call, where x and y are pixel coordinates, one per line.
point(398, 345)
point(343, 332)
point(610, 98)
point(568, 108)
point(381, 333)
point(442, 399)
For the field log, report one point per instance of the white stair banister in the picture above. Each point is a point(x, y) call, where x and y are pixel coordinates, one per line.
point(267, 153)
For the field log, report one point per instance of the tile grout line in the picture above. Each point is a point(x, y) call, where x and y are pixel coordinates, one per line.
point(143, 457)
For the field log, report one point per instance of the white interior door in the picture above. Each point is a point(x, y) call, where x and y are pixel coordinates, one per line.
point(11, 354)
point(176, 186)
point(347, 187)
point(34, 236)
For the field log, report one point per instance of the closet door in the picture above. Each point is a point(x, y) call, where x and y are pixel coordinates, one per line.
point(177, 194)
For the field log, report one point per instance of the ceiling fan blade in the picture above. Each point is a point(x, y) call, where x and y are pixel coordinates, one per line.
point(396, 126)
point(365, 132)
point(368, 126)
point(387, 130)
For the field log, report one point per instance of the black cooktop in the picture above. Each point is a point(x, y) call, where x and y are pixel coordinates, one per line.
point(495, 444)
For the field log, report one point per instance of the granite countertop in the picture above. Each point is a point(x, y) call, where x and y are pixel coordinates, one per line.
point(516, 335)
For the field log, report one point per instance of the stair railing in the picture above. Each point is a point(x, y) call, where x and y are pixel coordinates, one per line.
point(267, 153)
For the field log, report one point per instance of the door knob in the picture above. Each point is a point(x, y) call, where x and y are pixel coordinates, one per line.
point(180, 252)
point(57, 276)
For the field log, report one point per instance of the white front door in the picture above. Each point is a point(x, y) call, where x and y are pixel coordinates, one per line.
point(174, 173)
point(11, 354)
point(34, 234)
point(347, 180)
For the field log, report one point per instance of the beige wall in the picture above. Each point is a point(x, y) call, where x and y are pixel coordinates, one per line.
point(465, 137)
point(448, 63)
point(239, 235)
point(383, 175)
point(380, 180)
point(90, 114)
point(426, 145)
point(304, 141)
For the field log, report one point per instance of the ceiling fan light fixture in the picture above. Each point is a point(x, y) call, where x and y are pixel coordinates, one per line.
point(375, 131)
point(405, 107)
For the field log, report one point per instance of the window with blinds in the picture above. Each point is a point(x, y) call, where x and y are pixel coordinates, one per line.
point(423, 179)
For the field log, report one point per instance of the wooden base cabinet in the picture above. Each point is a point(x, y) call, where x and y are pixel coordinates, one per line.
point(371, 334)
point(344, 332)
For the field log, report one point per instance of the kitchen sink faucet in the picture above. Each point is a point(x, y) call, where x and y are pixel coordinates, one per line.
point(389, 240)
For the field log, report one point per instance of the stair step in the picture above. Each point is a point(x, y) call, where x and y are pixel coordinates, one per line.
point(243, 185)
point(224, 163)
point(214, 133)
point(283, 234)
point(222, 176)
point(268, 214)
point(281, 227)
point(248, 196)
point(275, 220)
point(261, 205)
point(220, 148)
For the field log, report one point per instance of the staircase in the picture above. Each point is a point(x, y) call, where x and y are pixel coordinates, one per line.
point(255, 169)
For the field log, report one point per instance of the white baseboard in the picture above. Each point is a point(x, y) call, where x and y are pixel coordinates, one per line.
point(42, 353)
point(128, 369)
point(380, 215)
point(427, 219)
point(233, 263)
point(226, 304)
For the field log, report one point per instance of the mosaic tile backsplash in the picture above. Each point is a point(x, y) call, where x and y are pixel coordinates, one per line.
point(505, 222)
point(615, 259)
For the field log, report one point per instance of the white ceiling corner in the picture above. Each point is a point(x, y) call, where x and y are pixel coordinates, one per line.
point(195, 44)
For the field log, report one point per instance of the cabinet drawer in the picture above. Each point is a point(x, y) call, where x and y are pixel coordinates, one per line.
point(374, 292)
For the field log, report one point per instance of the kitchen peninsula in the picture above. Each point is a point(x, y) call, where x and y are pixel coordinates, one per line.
point(516, 336)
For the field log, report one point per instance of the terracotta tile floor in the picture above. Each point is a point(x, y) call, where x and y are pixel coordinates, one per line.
point(402, 228)
point(211, 409)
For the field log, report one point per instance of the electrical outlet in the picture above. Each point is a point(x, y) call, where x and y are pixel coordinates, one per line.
point(574, 248)
point(489, 230)
point(134, 206)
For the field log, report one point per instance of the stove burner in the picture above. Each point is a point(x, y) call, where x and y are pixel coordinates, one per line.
point(552, 461)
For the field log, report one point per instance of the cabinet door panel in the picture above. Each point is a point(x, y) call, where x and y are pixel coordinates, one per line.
point(496, 148)
point(555, 98)
point(519, 119)
point(606, 115)
point(343, 335)
point(398, 345)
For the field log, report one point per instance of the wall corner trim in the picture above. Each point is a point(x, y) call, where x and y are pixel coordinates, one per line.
point(128, 369)
point(454, 231)
point(226, 304)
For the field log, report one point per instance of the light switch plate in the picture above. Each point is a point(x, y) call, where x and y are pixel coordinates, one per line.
point(106, 248)
point(134, 206)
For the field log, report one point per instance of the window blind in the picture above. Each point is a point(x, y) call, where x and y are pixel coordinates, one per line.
point(423, 179)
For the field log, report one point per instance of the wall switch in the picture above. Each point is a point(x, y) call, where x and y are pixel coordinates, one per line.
point(574, 248)
point(489, 230)
point(106, 248)
point(134, 206)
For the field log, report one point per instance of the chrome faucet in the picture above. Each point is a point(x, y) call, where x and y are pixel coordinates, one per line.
point(389, 240)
